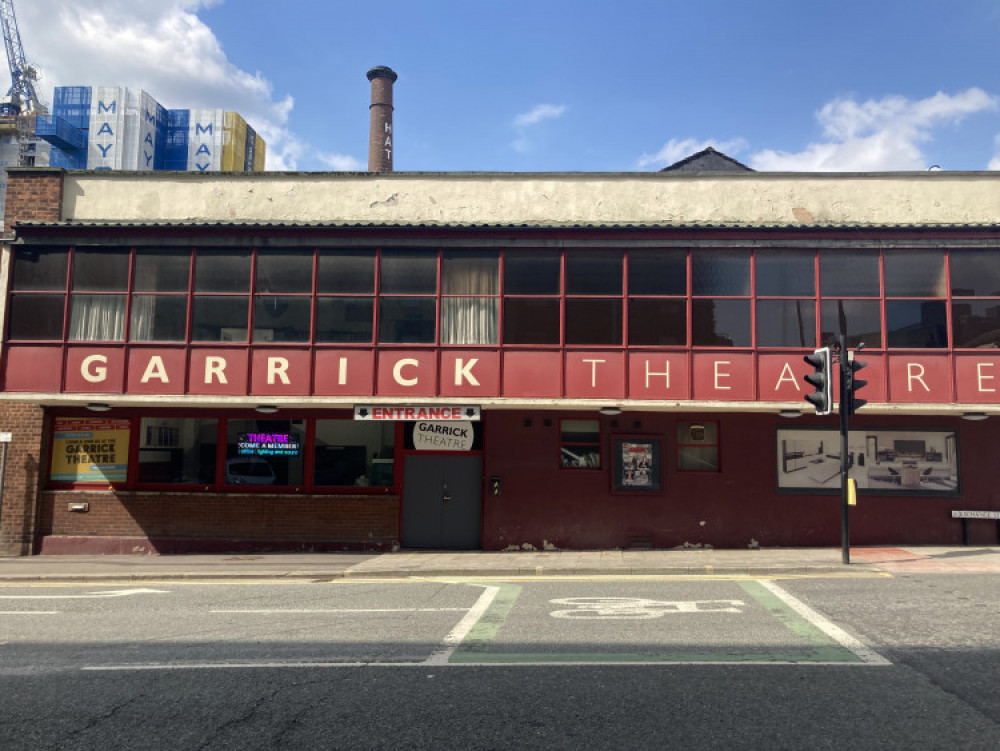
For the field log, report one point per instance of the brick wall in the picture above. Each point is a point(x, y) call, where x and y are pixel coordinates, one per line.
point(33, 194)
point(22, 476)
point(150, 522)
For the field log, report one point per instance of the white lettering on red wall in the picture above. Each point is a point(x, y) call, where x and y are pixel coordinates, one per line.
point(965, 377)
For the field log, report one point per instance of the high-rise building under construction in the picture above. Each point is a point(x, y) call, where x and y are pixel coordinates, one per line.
point(116, 128)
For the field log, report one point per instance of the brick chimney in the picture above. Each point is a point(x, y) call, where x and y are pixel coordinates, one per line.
point(380, 130)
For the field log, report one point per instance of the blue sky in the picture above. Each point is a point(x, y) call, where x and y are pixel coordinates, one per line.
point(559, 85)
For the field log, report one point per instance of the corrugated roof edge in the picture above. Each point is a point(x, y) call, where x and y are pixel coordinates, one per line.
point(401, 175)
point(179, 224)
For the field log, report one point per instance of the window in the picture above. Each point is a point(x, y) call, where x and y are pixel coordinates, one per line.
point(915, 321)
point(351, 453)
point(177, 450)
point(531, 307)
point(98, 299)
point(786, 323)
point(220, 309)
point(640, 297)
point(580, 444)
point(698, 446)
point(256, 455)
point(844, 275)
point(345, 305)
point(789, 276)
point(159, 302)
point(470, 287)
point(720, 310)
point(264, 452)
point(657, 297)
point(282, 309)
point(38, 293)
point(975, 307)
point(407, 307)
point(597, 318)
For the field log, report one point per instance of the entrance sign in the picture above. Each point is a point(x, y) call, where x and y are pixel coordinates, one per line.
point(436, 436)
point(429, 413)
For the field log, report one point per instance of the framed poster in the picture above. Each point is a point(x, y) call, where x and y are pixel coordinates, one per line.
point(912, 462)
point(89, 450)
point(637, 464)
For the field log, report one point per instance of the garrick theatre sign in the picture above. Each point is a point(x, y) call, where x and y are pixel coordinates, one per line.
point(933, 378)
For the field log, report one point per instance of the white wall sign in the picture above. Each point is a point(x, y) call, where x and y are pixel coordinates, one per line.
point(446, 413)
point(438, 436)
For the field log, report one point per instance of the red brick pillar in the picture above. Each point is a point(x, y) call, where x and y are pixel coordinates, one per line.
point(380, 135)
point(33, 194)
point(23, 476)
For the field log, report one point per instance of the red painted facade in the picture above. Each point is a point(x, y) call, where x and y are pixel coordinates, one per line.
point(550, 476)
point(726, 376)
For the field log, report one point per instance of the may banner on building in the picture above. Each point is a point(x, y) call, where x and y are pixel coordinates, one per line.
point(90, 450)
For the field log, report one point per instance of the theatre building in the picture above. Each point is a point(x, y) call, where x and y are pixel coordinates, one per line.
point(311, 361)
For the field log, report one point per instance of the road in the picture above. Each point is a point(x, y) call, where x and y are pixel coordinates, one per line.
point(866, 662)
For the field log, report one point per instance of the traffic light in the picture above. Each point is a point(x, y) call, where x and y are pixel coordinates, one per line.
point(854, 385)
point(821, 380)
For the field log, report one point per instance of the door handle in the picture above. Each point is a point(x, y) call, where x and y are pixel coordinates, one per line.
point(445, 497)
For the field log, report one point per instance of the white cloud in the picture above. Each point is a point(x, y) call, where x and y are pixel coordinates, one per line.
point(877, 135)
point(676, 149)
point(995, 161)
point(342, 162)
point(526, 120)
point(157, 45)
point(539, 113)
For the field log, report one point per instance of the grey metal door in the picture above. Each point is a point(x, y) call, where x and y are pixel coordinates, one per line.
point(442, 501)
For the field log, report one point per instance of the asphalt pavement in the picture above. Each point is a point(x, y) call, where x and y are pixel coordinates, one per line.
point(412, 563)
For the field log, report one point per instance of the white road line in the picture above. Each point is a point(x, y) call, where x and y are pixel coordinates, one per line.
point(298, 664)
point(335, 611)
point(29, 612)
point(91, 596)
point(463, 627)
point(868, 655)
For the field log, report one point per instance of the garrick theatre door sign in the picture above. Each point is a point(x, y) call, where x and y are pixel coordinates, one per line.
point(443, 483)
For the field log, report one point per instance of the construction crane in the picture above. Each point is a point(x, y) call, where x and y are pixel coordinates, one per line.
point(19, 108)
point(22, 92)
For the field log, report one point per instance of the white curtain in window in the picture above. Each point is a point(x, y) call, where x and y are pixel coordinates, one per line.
point(97, 318)
point(469, 320)
point(473, 319)
point(143, 318)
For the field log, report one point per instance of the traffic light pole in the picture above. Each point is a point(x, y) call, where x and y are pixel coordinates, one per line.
point(845, 396)
point(821, 379)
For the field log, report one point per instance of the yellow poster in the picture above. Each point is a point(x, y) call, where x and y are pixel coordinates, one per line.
point(90, 450)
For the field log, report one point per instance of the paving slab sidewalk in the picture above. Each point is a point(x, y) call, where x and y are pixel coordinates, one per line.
point(757, 562)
